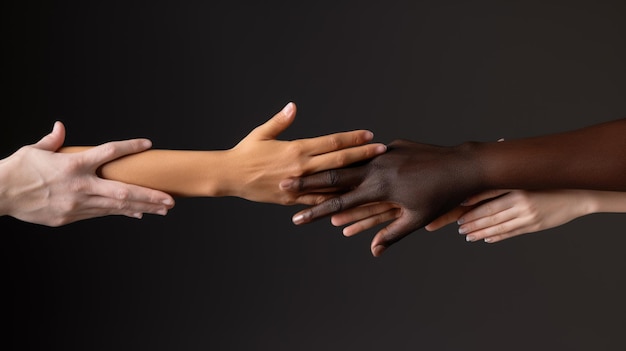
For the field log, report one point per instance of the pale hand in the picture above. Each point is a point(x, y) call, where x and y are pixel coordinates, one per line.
point(42, 186)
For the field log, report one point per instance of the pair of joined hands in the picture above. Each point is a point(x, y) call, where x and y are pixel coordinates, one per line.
point(48, 184)
point(416, 185)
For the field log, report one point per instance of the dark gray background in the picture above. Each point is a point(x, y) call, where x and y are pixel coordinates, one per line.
point(226, 273)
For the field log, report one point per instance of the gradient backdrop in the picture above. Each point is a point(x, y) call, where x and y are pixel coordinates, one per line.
point(228, 274)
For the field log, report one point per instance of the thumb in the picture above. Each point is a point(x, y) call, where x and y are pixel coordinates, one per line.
point(277, 124)
point(54, 140)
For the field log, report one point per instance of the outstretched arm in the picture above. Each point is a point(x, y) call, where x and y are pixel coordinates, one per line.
point(39, 185)
point(251, 170)
point(425, 181)
point(502, 214)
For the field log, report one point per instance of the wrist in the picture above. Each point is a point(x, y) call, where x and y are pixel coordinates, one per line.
point(473, 166)
point(587, 202)
point(224, 180)
point(5, 200)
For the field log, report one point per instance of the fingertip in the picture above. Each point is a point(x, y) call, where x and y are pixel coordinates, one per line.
point(378, 250)
point(298, 219)
point(146, 143)
point(381, 149)
point(289, 110)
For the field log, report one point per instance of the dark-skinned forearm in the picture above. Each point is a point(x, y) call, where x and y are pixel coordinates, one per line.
point(587, 158)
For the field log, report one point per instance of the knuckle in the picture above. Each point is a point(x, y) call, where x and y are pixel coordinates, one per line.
point(335, 204)
point(341, 159)
point(335, 142)
point(294, 149)
point(122, 194)
point(107, 150)
point(332, 177)
point(123, 205)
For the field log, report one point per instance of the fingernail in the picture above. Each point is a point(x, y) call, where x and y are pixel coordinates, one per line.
point(378, 250)
point(470, 238)
point(138, 215)
point(462, 230)
point(288, 109)
point(381, 148)
point(460, 221)
point(162, 211)
point(285, 184)
point(298, 219)
point(488, 240)
point(167, 202)
point(369, 135)
point(146, 143)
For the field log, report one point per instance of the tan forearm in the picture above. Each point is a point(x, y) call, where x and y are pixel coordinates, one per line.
point(187, 173)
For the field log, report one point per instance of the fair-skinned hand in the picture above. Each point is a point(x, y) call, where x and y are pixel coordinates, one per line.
point(40, 185)
point(496, 215)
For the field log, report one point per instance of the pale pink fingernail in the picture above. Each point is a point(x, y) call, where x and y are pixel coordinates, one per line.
point(369, 135)
point(167, 202)
point(381, 148)
point(138, 215)
point(298, 219)
point(162, 211)
point(470, 238)
point(488, 240)
point(285, 184)
point(288, 109)
point(462, 230)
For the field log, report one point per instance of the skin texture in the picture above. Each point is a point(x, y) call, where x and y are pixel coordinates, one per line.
point(426, 181)
point(251, 170)
point(39, 185)
point(496, 215)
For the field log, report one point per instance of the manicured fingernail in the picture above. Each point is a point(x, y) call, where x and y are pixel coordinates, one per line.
point(488, 240)
point(138, 215)
point(288, 109)
point(470, 238)
point(167, 202)
point(381, 148)
point(298, 219)
point(146, 143)
point(378, 250)
point(285, 184)
point(162, 211)
point(460, 221)
point(369, 135)
point(462, 230)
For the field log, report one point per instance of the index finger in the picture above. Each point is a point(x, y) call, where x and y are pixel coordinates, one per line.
point(334, 142)
point(110, 151)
